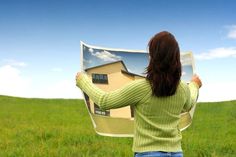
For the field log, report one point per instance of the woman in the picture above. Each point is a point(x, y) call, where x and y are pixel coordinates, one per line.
point(158, 100)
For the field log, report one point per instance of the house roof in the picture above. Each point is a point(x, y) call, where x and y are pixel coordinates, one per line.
point(132, 74)
point(108, 64)
point(123, 71)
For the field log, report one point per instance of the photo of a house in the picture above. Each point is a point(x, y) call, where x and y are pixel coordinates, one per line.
point(109, 77)
point(110, 69)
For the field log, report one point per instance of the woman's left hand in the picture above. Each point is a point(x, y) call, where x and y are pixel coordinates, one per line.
point(78, 75)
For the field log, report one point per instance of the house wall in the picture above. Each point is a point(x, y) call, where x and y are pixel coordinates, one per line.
point(116, 79)
point(108, 69)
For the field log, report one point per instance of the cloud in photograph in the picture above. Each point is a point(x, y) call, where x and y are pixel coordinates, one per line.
point(222, 52)
point(232, 32)
point(186, 61)
point(91, 50)
point(87, 61)
point(106, 56)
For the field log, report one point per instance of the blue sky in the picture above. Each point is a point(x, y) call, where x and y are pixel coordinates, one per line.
point(40, 40)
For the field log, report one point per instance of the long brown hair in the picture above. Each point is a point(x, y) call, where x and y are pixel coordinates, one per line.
point(164, 69)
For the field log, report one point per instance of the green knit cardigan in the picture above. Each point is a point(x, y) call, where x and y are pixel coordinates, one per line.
point(155, 118)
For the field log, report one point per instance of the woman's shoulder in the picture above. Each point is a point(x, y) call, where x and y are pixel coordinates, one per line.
point(183, 86)
point(141, 84)
point(142, 81)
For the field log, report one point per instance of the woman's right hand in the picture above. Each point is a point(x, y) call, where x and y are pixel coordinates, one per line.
point(197, 80)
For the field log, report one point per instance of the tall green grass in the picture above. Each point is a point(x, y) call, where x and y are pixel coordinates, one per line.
point(62, 128)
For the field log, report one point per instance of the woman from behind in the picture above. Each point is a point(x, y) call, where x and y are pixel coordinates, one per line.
point(158, 100)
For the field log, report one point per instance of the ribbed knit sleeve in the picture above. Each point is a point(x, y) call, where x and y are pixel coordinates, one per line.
point(191, 95)
point(130, 94)
point(156, 118)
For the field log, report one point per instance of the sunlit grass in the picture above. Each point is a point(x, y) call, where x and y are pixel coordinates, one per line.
point(62, 128)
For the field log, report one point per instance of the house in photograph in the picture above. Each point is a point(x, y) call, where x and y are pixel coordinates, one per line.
point(109, 77)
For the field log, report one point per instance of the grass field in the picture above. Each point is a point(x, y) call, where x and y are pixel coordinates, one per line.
point(62, 128)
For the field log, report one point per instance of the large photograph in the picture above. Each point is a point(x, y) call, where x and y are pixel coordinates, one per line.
point(110, 69)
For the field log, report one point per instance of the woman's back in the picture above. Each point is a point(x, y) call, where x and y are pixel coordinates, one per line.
point(157, 118)
point(158, 100)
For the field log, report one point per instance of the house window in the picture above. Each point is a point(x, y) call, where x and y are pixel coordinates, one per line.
point(97, 110)
point(100, 78)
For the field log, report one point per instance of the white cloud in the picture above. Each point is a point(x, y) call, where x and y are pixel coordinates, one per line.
point(15, 63)
point(232, 32)
point(85, 61)
point(91, 50)
point(12, 82)
point(186, 60)
point(106, 56)
point(217, 91)
point(129, 70)
point(61, 89)
point(221, 52)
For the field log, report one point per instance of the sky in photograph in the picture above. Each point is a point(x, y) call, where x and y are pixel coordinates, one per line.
point(135, 61)
point(40, 40)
